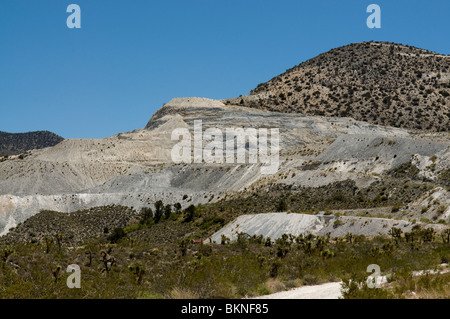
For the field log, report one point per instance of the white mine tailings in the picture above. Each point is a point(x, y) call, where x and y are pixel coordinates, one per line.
point(136, 169)
point(274, 225)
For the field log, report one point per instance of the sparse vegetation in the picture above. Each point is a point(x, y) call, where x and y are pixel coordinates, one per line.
point(341, 82)
point(250, 266)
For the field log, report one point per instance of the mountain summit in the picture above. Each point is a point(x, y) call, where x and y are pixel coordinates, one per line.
point(377, 82)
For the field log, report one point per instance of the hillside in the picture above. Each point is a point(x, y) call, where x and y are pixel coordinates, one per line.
point(16, 143)
point(349, 163)
point(381, 83)
point(346, 194)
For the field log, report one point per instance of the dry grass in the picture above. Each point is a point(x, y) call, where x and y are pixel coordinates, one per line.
point(275, 285)
point(428, 286)
point(182, 293)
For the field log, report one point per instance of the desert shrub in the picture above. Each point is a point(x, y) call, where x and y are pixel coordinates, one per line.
point(189, 213)
point(117, 234)
point(309, 280)
point(337, 223)
point(262, 290)
point(405, 170)
point(167, 211)
point(214, 220)
point(182, 293)
point(282, 205)
point(444, 177)
point(177, 207)
point(159, 211)
point(356, 288)
point(396, 207)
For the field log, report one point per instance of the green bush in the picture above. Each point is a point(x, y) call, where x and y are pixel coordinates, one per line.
point(159, 211)
point(282, 205)
point(117, 235)
point(358, 289)
point(189, 213)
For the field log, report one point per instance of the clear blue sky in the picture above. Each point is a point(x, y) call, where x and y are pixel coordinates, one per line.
point(132, 56)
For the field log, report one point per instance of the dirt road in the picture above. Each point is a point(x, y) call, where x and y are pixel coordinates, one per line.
point(331, 290)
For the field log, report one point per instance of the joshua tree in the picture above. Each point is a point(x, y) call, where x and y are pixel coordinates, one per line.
point(326, 253)
point(177, 207)
point(56, 273)
point(396, 234)
point(446, 236)
point(91, 247)
point(48, 244)
point(184, 246)
point(117, 234)
point(107, 259)
point(349, 237)
point(428, 234)
point(59, 238)
point(167, 211)
point(89, 253)
point(138, 271)
point(274, 268)
point(308, 247)
point(147, 216)
point(282, 251)
point(261, 260)
point(159, 210)
point(282, 206)
point(409, 236)
point(190, 213)
point(224, 240)
point(6, 252)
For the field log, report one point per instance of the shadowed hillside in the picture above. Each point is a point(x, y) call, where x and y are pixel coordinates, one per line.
point(16, 143)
